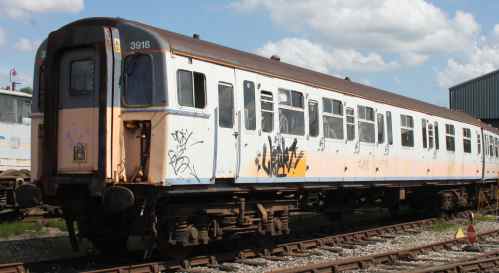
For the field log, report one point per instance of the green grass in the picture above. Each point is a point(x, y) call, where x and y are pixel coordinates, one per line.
point(441, 226)
point(17, 228)
point(56, 223)
point(11, 229)
point(485, 218)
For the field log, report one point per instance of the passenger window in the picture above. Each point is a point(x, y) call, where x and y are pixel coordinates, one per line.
point(138, 80)
point(479, 143)
point(291, 116)
point(423, 129)
point(437, 137)
point(191, 88)
point(486, 145)
point(496, 147)
point(467, 140)
point(449, 137)
point(225, 105)
point(389, 129)
point(407, 130)
point(350, 115)
point(24, 109)
point(366, 124)
point(430, 136)
point(313, 118)
point(82, 77)
point(381, 128)
point(267, 108)
point(249, 105)
point(332, 118)
point(491, 146)
point(8, 105)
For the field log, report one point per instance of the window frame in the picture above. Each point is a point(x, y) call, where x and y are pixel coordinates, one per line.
point(291, 107)
point(380, 129)
point(262, 110)
point(350, 123)
point(389, 127)
point(73, 92)
point(365, 119)
point(479, 143)
point(317, 116)
point(220, 83)
point(406, 118)
point(246, 120)
point(496, 147)
point(431, 136)
point(125, 81)
point(332, 114)
point(450, 135)
point(467, 140)
point(437, 135)
point(424, 131)
point(193, 89)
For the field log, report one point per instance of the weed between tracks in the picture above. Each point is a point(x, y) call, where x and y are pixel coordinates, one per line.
point(35, 228)
point(442, 225)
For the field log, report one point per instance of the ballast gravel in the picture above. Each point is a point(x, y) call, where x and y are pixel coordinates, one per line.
point(403, 241)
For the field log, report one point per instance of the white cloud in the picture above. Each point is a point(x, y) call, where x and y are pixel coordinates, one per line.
point(412, 28)
point(412, 58)
point(482, 59)
point(26, 45)
point(24, 8)
point(304, 53)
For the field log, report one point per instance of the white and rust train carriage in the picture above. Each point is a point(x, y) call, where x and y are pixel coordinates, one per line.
point(142, 131)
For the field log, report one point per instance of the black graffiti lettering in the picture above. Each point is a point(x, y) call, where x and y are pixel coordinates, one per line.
point(280, 159)
point(179, 159)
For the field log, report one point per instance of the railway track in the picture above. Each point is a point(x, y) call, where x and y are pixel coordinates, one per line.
point(247, 255)
point(257, 256)
point(444, 256)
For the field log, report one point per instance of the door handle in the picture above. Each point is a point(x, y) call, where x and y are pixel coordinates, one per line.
point(387, 149)
point(322, 144)
point(357, 147)
point(235, 134)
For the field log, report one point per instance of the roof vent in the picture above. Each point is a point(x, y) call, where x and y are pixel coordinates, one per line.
point(275, 58)
point(195, 36)
point(347, 79)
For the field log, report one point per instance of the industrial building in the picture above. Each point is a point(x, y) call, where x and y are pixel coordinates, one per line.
point(478, 97)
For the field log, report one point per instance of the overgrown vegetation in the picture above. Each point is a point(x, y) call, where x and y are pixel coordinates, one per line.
point(485, 218)
point(40, 227)
point(441, 226)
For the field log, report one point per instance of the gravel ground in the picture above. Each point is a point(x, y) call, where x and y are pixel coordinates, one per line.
point(320, 255)
point(30, 248)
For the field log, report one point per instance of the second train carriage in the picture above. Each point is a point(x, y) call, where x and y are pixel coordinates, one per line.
point(15, 127)
point(142, 131)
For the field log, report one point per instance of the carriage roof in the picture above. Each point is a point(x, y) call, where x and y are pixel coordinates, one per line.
point(188, 46)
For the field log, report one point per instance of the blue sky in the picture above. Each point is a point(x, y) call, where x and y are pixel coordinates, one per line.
point(415, 48)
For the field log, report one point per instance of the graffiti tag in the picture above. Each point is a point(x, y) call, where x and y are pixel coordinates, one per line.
point(278, 159)
point(179, 158)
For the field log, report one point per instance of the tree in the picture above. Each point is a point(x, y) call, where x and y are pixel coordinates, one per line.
point(27, 89)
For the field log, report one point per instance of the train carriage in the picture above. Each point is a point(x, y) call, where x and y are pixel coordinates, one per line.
point(15, 124)
point(142, 131)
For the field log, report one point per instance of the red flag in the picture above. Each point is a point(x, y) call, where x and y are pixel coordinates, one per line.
point(13, 72)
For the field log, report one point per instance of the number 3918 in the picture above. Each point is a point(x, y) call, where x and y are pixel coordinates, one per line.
point(136, 45)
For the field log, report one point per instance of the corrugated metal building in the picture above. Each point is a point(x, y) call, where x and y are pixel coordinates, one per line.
point(478, 97)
